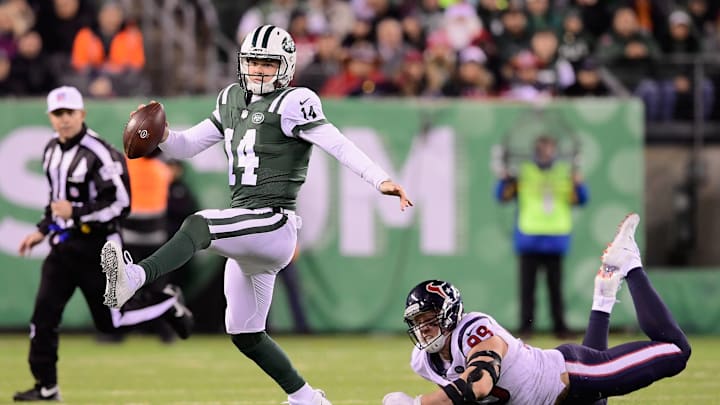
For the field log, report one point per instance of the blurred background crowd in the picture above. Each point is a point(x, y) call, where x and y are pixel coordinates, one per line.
point(662, 51)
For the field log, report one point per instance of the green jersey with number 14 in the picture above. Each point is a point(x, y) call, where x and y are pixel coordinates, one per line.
point(266, 164)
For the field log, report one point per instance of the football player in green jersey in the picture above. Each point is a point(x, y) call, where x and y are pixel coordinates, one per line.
point(267, 130)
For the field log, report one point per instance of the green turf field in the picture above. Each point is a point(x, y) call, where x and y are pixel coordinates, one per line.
point(208, 370)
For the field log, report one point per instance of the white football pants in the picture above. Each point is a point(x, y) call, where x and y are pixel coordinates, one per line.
point(258, 244)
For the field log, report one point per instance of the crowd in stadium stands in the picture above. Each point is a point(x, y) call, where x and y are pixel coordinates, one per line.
point(514, 49)
point(523, 50)
point(87, 44)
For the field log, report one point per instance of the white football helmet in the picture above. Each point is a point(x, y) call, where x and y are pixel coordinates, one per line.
point(267, 42)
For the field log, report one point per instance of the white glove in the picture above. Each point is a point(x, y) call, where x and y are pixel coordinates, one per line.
point(400, 398)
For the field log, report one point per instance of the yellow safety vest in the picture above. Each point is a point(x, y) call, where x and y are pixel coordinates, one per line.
point(545, 199)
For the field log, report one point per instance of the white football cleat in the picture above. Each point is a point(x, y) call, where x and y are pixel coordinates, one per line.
point(623, 254)
point(121, 279)
point(318, 398)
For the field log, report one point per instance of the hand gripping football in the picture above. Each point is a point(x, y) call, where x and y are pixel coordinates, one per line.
point(144, 131)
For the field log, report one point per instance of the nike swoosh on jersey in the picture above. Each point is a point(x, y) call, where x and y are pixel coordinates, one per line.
point(304, 101)
point(45, 392)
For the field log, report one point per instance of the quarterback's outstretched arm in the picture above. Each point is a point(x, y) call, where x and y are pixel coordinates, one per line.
point(332, 141)
point(303, 117)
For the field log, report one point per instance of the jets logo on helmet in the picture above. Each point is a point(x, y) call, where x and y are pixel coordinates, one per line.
point(267, 42)
point(288, 45)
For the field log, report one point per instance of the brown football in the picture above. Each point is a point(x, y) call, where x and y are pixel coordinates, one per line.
point(144, 131)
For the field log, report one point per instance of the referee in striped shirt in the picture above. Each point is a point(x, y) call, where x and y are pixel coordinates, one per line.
point(89, 195)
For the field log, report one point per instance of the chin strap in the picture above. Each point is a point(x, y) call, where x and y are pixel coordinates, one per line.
point(248, 96)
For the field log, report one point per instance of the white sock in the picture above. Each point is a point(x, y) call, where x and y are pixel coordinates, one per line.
point(605, 292)
point(138, 274)
point(603, 303)
point(631, 264)
point(302, 396)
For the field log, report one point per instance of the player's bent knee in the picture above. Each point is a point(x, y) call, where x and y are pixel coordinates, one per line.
point(684, 345)
point(686, 350)
point(197, 229)
point(246, 341)
point(680, 361)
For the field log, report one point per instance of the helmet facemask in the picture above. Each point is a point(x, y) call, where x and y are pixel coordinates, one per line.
point(269, 83)
point(419, 331)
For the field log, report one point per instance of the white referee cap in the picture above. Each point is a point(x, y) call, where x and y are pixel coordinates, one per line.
point(65, 97)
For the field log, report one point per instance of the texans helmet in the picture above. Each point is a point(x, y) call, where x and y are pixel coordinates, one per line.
point(267, 42)
point(438, 297)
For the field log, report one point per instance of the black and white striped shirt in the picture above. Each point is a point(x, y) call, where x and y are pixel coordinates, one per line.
point(93, 176)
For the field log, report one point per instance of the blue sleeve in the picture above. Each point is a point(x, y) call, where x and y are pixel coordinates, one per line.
point(505, 190)
point(582, 194)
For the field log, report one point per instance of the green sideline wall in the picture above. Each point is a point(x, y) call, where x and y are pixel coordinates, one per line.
point(359, 253)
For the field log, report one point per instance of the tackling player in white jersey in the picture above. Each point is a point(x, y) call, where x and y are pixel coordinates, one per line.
point(268, 130)
point(476, 361)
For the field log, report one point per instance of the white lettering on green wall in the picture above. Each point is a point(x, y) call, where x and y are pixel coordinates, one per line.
point(427, 173)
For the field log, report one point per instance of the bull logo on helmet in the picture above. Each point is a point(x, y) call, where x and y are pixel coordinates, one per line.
point(436, 289)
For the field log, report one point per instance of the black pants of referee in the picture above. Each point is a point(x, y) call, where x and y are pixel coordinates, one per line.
point(74, 263)
point(530, 263)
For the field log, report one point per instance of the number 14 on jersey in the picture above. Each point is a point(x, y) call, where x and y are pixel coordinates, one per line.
point(244, 155)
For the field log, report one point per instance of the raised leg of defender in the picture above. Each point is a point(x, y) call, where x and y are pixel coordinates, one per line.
point(604, 297)
point(596, 374)
point(654, 318)
point(622, 253)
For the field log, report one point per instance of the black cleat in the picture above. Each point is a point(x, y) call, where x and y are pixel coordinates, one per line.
point(38, 393)
point(179, 316)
